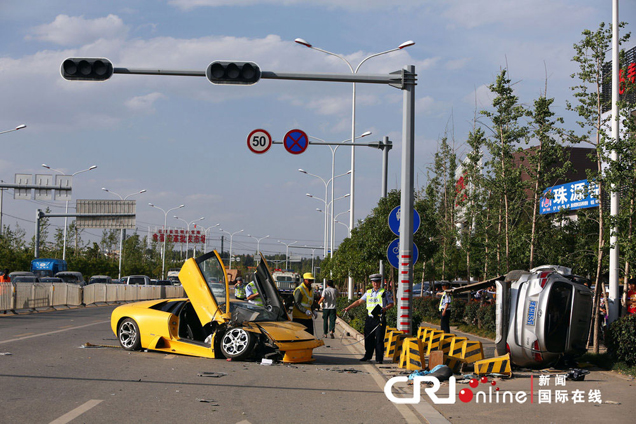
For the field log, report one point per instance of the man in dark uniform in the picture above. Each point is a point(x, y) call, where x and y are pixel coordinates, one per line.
point(378, 301)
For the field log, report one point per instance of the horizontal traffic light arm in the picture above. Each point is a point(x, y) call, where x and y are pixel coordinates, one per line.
point(178, 73)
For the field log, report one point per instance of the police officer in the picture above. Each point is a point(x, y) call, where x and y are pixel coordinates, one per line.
point(303, 303)
point(239, 289)
point(252, 294)
point(445, 308)
point(375, 324)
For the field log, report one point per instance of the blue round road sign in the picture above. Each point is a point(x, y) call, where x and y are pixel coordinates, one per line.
point(296, 141)
point(393, 253)
point(394, 221)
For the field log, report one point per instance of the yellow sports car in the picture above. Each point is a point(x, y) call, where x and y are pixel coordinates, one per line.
point(208, 324)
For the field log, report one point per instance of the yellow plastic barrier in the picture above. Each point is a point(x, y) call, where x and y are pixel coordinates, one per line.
point(472, 351)
point(499, 365)
point(412, 356)
point(393, 343)
point(456, 346)
point(445, 342)
point(434, 337)
point(387, 338)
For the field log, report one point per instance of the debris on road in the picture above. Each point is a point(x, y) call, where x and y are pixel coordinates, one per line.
point(577, 374)
point(266, 361)
point(211, 374)
point(346, 370)
point(212, 401)
point(5, 354)
point(97, 346)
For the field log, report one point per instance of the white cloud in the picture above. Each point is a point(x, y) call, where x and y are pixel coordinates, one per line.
point(425, 105)
point(76, 30)
point(144, 103)
point(514, 13)
point(481, 97)
point(349, 4)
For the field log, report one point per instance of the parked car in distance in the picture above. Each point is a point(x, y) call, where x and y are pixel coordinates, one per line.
point(140, 280)
point(100, 279)
point(161, 282)
point(23, 277)
point(51, 280)
point(72, 277)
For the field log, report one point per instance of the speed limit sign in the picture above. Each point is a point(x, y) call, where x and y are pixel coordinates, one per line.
point(259, 141)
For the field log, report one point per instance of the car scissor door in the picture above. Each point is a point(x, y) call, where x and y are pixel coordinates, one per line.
point(197, 277)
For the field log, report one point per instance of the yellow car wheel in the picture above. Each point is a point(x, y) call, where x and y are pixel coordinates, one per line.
point(128, 335)
point(237, 343)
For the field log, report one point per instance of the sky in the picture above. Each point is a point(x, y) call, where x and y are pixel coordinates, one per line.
point(184, 140)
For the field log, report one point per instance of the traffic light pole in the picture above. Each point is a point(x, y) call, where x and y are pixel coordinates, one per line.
point(248, 73)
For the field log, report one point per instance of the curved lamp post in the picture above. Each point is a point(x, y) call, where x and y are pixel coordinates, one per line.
point(258, 245)
point(19, 127)
point(231, 239)
point(165, 223)
point(66, 213)
point(188, 233)
point(287, 252)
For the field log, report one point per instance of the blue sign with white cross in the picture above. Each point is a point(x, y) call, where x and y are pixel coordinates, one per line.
point(570, 196)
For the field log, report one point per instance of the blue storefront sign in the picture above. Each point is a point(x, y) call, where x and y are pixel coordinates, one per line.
point(570, 196)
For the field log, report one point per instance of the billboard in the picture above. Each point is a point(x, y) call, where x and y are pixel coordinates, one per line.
point(570, 196)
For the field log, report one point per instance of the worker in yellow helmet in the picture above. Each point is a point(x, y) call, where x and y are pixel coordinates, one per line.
point(304, 303)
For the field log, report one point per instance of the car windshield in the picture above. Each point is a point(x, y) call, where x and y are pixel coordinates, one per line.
point(557, 320)
point(248, 312)
point(214, 276)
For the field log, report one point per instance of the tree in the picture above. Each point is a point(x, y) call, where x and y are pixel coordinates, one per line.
point(590, 54)
point(507, 133)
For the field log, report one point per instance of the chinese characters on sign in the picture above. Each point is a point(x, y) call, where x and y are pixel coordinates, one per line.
point(571, 196)
point(179, 236)
point(563, 396)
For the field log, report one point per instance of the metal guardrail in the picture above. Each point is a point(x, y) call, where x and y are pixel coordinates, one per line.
point(33, 296)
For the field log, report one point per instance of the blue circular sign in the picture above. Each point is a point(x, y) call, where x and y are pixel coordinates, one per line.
point(296, 141)
point(394, 221)
point(393, 253)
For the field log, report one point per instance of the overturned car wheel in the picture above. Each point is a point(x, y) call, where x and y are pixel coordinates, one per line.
point(237, 343)
point(128, 335)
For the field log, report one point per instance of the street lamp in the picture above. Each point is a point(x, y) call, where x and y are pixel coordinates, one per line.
point(353, 110)
point(258, 245)
point(333, 169)
point(19, 127)
point(205, 246)
point(66, 212)
point(121, 231)
point(188, 233)
point(353, 124)
point(231, 238)
point(165, 223)
point(325, 200)
point(287, 252)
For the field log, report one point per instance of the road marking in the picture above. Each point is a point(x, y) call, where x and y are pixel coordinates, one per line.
point(170, 356)
point(25, 334)
point(428, 412)
point(51, 332)
point(70, 416)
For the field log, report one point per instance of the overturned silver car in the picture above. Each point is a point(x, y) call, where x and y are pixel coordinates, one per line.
point(542, 314)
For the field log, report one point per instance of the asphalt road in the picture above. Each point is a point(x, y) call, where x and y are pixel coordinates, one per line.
point(48, 377)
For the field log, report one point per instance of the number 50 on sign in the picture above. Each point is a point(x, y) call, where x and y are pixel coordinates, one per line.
point(259, 141)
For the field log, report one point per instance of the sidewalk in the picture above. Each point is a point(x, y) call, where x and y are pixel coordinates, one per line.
point(603, 395)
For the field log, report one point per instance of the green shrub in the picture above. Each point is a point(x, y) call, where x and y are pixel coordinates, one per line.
point(621, 340)
point(470, 313)
point(457, 312)
point(486, 318)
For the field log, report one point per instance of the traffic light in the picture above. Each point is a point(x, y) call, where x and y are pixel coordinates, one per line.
point(226, 72)
point(86, 69)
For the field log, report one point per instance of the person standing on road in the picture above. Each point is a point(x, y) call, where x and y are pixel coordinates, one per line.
point(239, 289)
point(303, 303)
point(252, 294)
point(378, 302)
point(4, 278)
point(445, 308)
point(328, 302)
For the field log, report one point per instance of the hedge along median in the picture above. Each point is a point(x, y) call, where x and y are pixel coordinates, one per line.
point(471, 317)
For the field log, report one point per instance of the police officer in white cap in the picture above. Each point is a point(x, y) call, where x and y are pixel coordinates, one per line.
point(378, 302)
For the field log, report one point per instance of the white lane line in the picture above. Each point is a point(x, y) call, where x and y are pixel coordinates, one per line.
point(51, 332)
point(70, 416)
